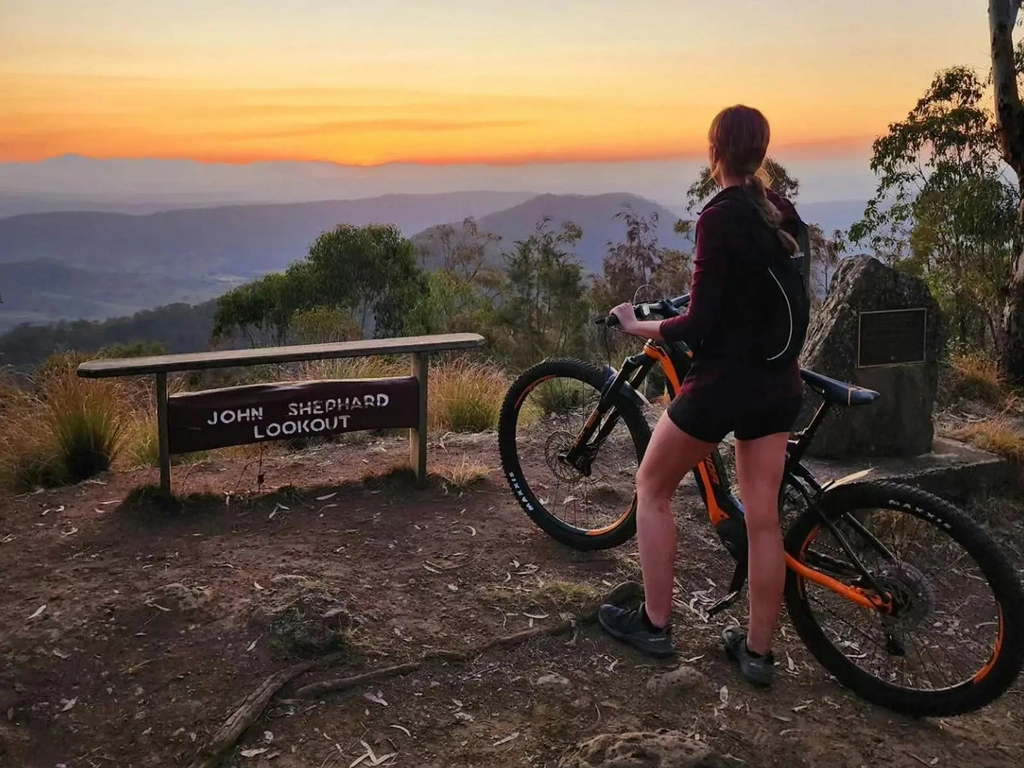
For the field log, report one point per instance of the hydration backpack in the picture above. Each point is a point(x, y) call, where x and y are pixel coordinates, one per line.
point(787, 306)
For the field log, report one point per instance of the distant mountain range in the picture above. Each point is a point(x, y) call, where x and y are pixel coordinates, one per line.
point(595, 214)
point(96, 265)
point(146, 185)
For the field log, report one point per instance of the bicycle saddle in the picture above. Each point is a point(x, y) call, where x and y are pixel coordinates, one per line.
point(838, 392)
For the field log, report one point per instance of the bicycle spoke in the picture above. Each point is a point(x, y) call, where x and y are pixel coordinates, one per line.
point(586, 495)
point(934, 597)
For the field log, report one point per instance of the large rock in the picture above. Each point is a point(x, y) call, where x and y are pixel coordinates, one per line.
point(657, 749)
point(899, 423)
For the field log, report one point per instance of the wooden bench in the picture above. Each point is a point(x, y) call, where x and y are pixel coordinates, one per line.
point(219, 418)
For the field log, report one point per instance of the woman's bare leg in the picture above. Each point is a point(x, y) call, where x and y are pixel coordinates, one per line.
point(670, 455)
point(759, 466)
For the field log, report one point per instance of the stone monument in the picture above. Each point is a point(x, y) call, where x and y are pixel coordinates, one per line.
point(878, 328)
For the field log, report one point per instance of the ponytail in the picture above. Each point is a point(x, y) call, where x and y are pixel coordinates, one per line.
point(754, 186)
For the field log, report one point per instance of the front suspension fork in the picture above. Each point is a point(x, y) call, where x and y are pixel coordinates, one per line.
point(581, 455)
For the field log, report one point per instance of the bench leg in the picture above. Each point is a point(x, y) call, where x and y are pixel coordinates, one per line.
point(418, 436)
point(161, 420)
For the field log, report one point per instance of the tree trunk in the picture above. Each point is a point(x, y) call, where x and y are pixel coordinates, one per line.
point(1012, 357)
point(1002, 16)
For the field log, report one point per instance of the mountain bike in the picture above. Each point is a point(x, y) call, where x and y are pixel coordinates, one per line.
point(857, 549)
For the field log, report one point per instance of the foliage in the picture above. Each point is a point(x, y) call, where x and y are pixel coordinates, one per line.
point(639, 261)
point(370, 272)
point(999, 435)
point(943, 209)
point(449, 304)
point(825, 255)
point(976, 377)
point(462, 253)
point(170, 329)
point(324, 325)
point(544, 305)
point(779, 179)
point(262, 306)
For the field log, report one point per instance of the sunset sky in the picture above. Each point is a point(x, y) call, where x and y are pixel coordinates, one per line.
point(452, 81)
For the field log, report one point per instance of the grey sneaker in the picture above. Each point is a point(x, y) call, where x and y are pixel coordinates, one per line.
point(756, 669)
point(632, 627)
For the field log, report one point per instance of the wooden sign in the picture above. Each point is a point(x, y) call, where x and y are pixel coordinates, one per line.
point(198, 421)
point(892, 337)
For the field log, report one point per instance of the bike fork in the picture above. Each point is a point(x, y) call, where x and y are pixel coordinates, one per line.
point(632, 373)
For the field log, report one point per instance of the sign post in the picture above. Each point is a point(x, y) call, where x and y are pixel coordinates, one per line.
point(219, 418)
point(197, 421)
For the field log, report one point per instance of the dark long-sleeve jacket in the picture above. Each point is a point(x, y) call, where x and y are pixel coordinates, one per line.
point(726, 296)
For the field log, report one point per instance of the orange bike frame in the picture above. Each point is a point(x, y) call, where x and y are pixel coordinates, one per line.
point(721, 503)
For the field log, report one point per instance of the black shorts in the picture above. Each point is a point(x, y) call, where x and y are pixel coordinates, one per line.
point(710, 418)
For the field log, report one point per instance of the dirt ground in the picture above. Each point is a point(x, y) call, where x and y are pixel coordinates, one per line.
point(130, 634)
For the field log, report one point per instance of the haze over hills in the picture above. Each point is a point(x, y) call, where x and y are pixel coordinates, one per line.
point(96, 265)
point(73, 182)
point(595, 214)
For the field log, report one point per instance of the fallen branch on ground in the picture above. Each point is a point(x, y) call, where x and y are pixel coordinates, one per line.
point(249, 711)
point(252, 708)
point(621, 594)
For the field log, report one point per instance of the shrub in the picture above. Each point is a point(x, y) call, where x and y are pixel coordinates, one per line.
point(68, 430)
point(86, 420)
point(28, 458)
point(465, 396)
point(562, 396)
point(975, 376)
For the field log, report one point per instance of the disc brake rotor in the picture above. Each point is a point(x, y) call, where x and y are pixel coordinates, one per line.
point(557, 444)
point(912, 593)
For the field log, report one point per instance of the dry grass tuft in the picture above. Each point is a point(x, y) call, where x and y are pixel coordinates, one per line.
point(465, 396)
point(997, 435)
point(975, 376)
point(463, 474)
point(537, 597)
point(67, 430)
point(354, 368)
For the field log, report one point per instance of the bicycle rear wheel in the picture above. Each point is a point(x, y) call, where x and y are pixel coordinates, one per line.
point(544, 412)
point(954, 639)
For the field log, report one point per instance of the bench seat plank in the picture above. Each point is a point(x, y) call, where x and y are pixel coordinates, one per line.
point(198, 361)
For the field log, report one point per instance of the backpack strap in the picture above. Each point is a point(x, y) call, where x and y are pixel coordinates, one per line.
point(803, 239)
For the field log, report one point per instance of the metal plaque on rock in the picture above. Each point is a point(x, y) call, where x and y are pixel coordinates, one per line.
point(892, 337)
point(198, 421)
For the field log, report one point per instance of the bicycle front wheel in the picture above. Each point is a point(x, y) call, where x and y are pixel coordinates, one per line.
point(951, 639)
point(579, 504)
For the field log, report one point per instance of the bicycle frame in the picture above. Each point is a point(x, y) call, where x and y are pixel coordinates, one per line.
point(711, 476)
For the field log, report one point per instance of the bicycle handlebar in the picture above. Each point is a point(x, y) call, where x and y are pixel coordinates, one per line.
point(644, 310)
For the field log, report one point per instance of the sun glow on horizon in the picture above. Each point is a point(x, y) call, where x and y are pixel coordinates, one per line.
point(372, 82)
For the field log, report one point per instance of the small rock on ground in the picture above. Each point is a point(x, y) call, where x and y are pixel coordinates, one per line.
point(184, 598)
point(552, 681)
point(680, 679)
point(657, 749)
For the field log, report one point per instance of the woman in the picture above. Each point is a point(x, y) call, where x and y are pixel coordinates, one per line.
point(728, 389)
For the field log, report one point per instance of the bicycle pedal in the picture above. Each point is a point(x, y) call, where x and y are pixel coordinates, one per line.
point(724, 603)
